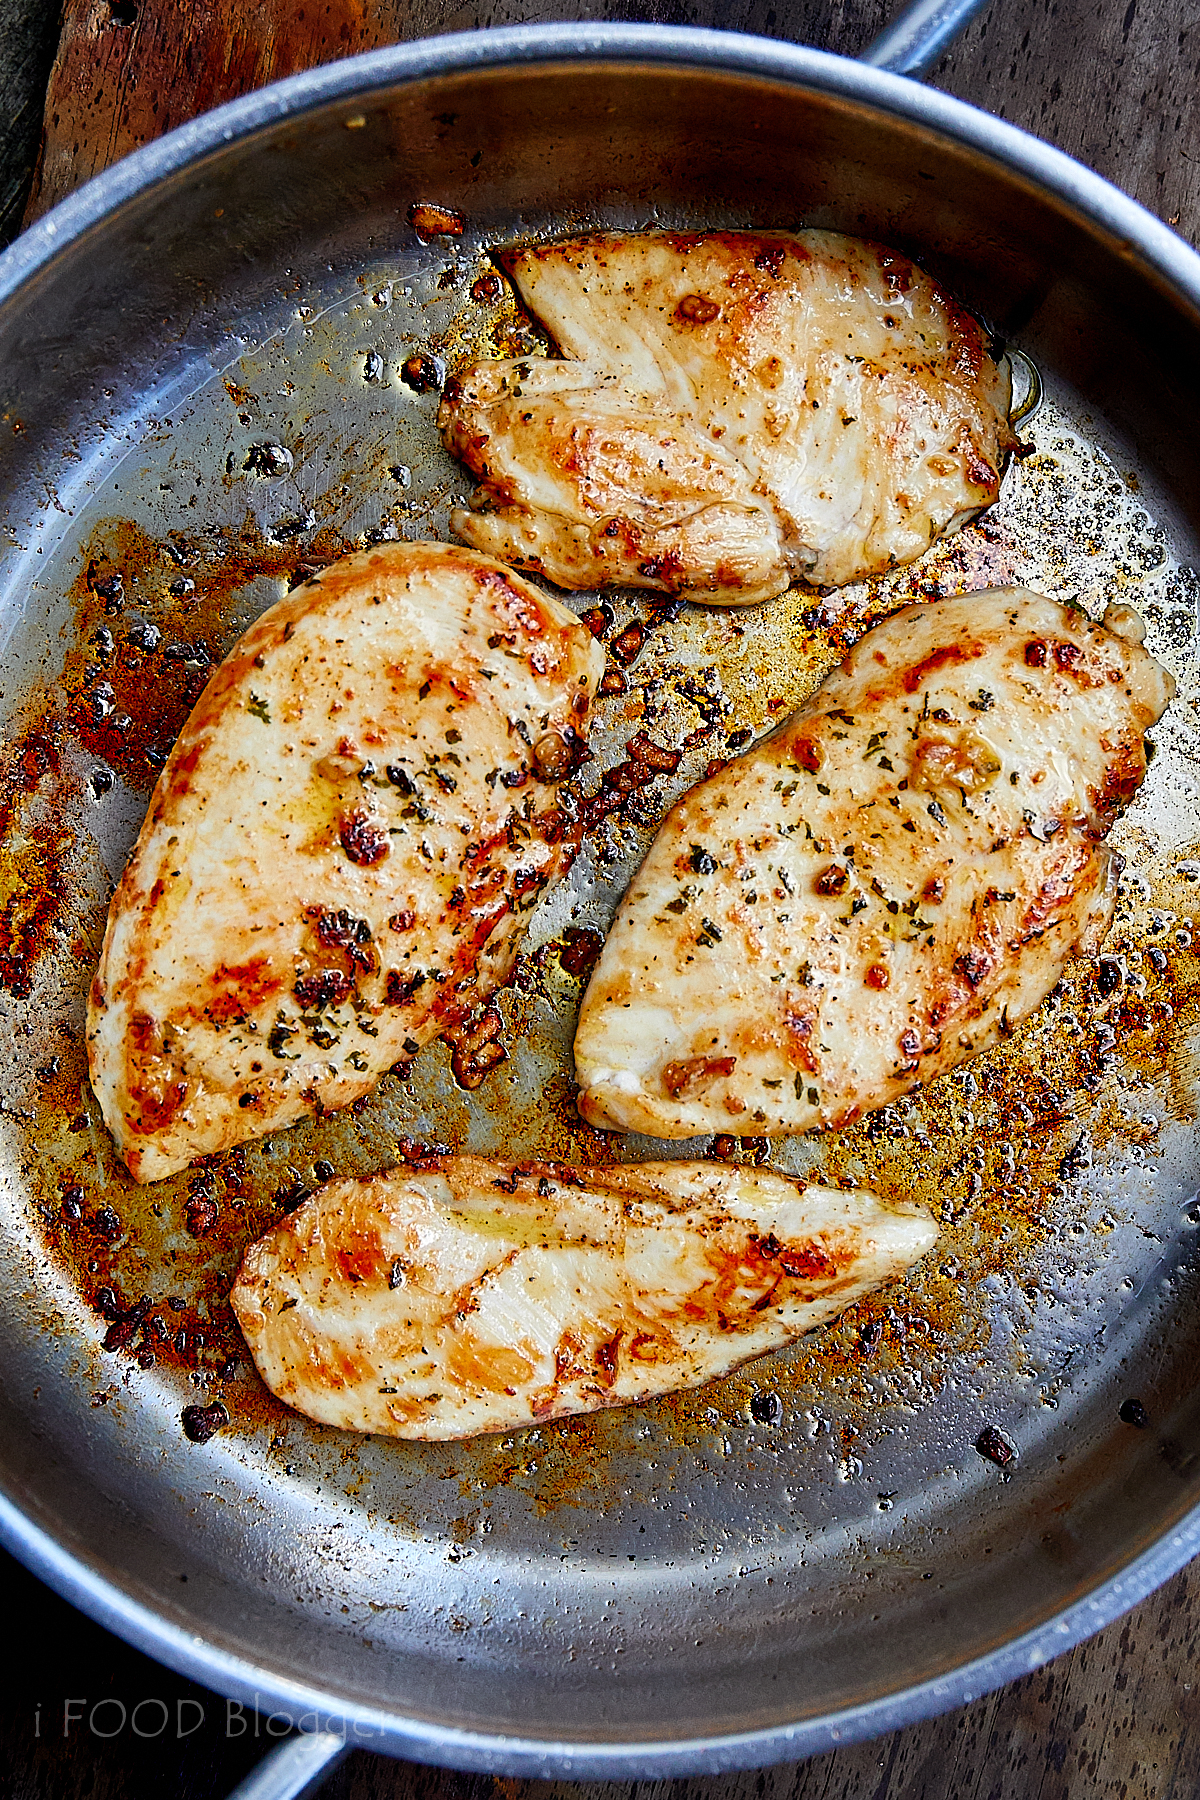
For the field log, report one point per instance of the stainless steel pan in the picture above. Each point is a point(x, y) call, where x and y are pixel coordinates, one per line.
point(200, 396)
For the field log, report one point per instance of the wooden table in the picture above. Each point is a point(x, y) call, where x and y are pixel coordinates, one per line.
point(1113, 82)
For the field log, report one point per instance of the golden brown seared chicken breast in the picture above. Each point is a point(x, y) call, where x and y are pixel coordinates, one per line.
point(339, 850)
point(731, 410)
point(478, 1296)
point(876, 891)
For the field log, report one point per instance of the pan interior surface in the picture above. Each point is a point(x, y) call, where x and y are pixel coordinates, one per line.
point(202, 399)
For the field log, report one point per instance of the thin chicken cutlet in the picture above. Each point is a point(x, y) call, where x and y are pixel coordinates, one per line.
point(730, 411)
point(478, 1296)
point(340, 849)
point(884, 885)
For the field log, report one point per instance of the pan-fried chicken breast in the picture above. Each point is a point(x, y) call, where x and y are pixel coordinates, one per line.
point(878, 890)
point(731, 410)
point(478, 1296)
point(339, 850)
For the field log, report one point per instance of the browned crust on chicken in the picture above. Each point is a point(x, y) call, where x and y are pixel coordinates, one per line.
point(731, 410)
point(340, 850)
point(480, 1296)
point(876, 892)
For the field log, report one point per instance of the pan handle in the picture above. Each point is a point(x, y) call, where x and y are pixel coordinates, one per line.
point(294, 1768)
point(916, 37)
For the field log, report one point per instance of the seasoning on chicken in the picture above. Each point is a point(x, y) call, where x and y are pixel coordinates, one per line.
point(340, 849)
point(882, 887)
point(481, 1296)
point(731, 411)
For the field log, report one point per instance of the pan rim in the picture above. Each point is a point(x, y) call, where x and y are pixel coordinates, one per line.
point(370, 1727)
point(1147, 242)
point(525, 46)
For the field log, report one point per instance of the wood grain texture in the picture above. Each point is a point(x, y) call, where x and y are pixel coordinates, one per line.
point(1113, 82)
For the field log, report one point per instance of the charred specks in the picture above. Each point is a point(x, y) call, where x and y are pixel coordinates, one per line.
point(101, 783)
point(803, 1262)
point(557, 754)
point(269, 461)
point(422, 373)
point(619, 786)
point(143, 635)
point(1064, 654)
point(871, 1336)
point(697, 309)
point(766, 1409)
point(1109, 977)
point(293, 1192)
point(599, 620)
point(1132, 1412)
point(108, 584)
point(126, 1323)
point(421, 1156)
point(475, 1048)
point(579, 949)
point(974, 966)
point(202, 1422)
point(644, 750)
point(832, 880)
point(695, 1073)
point(627, 646)
point(200, 1213)
point(993, 1444)
point(430, 220)
point(364, 840)
point(702, 861)
point(402, 989)
point(341, 931)
point(324, 987)
point(107, 1224)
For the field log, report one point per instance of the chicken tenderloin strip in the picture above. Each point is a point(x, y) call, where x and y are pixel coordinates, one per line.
point(340, 849)
point(882, 887)
point(478, 1296)
point(731, 411)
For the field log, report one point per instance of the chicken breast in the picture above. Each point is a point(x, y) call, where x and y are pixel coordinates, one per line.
point(886, 884)
point(731, 410)
point(339, 849)
point(478, 1296)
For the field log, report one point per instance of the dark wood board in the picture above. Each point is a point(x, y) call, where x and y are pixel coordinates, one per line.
point(1115, 83)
